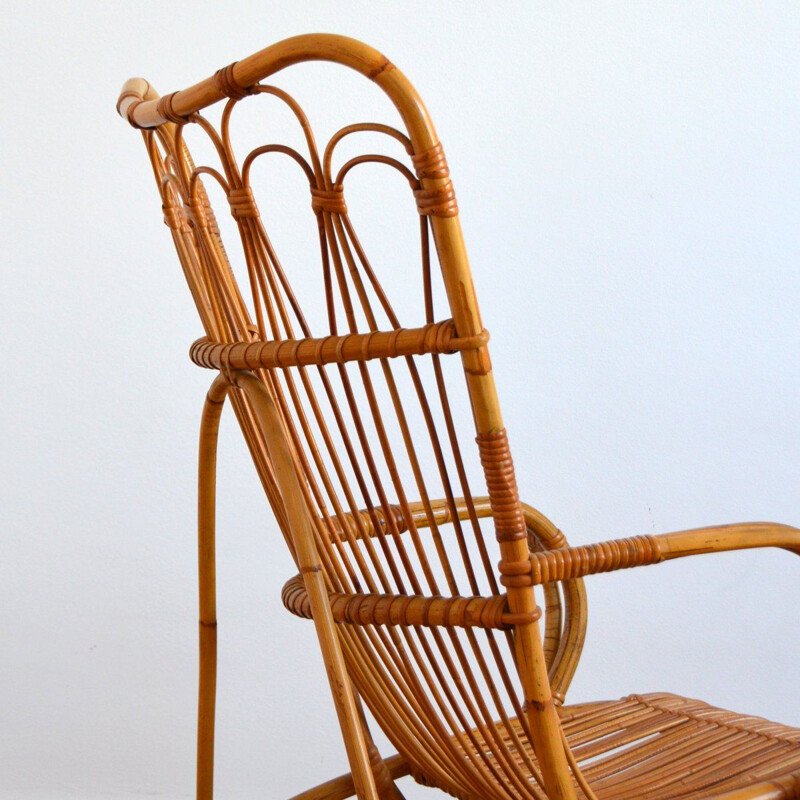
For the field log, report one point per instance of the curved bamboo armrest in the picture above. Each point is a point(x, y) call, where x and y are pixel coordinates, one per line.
point(409, 610)
point(639, 551)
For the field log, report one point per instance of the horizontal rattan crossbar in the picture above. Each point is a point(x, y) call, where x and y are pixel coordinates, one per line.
point(438, 337)
point(448, 613)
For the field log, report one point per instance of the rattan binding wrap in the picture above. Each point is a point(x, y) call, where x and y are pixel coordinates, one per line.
point(381, 609)
point(437, 337)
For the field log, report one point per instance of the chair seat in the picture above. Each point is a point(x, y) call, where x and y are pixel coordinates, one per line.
point(658, 746)
point(665, 746)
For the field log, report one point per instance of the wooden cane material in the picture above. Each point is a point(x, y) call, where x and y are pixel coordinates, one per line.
point(342, 787)
point(348, 419)
point(438, 337)
point(403, 609)
point(206, 522)
point(641, 551)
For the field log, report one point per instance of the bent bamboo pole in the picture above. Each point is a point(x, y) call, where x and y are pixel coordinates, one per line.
point(206, 507)
point(342, 788)
point(310, 47)
point(308, 561)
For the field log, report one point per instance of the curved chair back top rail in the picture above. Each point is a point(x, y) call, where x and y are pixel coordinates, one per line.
point(364, 406)
point(259, 66)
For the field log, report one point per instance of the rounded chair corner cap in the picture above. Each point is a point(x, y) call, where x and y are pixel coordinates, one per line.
point(138, 89)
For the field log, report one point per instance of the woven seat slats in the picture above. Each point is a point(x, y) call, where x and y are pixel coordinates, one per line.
point(662, 746)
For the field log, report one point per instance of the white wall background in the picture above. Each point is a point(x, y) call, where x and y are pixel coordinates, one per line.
point(628, 177)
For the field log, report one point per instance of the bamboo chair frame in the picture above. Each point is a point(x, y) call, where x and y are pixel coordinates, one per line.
point(429, 664)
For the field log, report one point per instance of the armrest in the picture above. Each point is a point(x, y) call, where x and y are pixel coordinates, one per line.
point(640, 551)
point(741, 536)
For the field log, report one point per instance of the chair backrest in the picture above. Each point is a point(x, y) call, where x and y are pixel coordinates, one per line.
point(365, 405)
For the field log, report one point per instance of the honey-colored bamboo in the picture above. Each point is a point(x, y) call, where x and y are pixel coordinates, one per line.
point(421, 617)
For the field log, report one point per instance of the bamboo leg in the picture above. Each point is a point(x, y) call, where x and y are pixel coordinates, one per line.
point(207, 474)
point(311, 569)
point(542, 714)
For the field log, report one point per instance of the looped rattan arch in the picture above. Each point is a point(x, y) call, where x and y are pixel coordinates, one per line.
point(382, 497)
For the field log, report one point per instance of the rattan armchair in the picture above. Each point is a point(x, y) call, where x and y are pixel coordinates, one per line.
point(421, 616)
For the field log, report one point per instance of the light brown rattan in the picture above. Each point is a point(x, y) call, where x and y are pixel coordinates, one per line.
point(348, 420)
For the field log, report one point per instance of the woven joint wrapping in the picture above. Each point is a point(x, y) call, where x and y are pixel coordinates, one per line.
point(576, 562)
point(408, 610)
point(502, 486)
point(200, 209)
point(125, 95)
point(226, 84)
point(437, 202)
point(330, 200)
point(437, 337)
point(431, 163)
point(368, 519)
point(243, 204)
point(175, 218)
point(137, 99)
point(166, 110)
point(129, 112)
point(197, 209)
